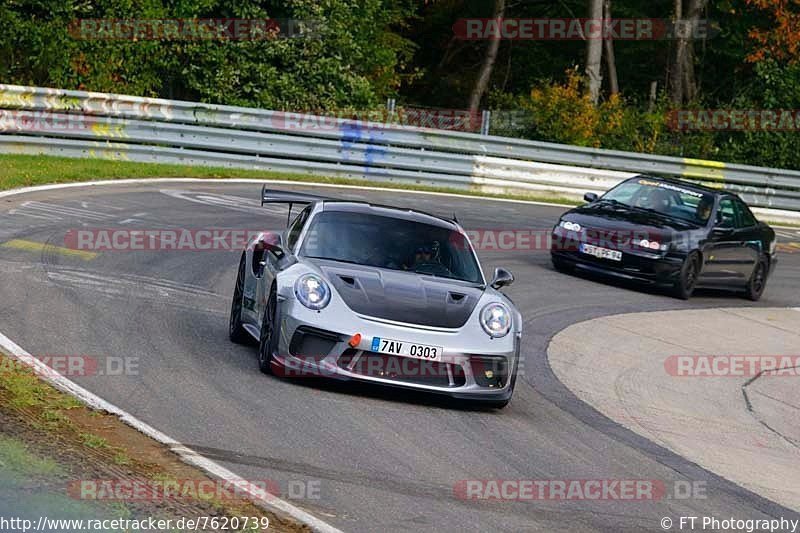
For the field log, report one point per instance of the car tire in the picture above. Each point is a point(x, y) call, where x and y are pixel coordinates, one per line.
point(690, 271)
point(268, 338)
point(758, 281)
point(561, 265)
point(236, 331)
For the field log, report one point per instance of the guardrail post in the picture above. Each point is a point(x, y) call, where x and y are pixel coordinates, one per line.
point(486, 118)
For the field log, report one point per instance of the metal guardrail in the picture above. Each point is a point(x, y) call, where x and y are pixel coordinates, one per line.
point(85, 124)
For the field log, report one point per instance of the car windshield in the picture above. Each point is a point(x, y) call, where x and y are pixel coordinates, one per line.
point(392, 243)
point(664, 198)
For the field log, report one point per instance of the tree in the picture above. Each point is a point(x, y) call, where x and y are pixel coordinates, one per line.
point(782, 41)
point(682, 86)
point(594, 53)
point(611, 62)
point(489, 60)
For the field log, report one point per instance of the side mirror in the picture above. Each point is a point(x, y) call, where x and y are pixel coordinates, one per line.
point(502, 278)
point(275, 249)
point(590, 197)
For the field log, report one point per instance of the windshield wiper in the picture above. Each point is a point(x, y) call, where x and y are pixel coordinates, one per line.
point(612, 201)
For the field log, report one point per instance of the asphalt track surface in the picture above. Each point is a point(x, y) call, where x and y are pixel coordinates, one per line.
point(383, 460)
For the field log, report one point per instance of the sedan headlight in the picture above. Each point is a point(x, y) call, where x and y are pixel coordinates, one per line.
point(653, 245)
point(312, 291)
point(496, 320)
point(570, 226)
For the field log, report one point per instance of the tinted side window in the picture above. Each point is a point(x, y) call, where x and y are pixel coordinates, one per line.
point(746, 217)
point(297, 227)
point(726, 217)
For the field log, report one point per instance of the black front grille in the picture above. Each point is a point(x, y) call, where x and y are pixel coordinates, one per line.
point(312, 343)
point(403, 369)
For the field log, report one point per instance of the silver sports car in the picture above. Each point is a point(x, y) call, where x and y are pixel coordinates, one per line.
point(392, 296)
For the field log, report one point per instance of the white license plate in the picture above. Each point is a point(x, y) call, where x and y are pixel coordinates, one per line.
point(406, 349)
point(602, 253)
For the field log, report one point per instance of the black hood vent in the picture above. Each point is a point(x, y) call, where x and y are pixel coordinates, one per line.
point(402, 296)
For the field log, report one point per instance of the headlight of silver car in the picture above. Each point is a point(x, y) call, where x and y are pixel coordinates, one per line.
point(312, 291)
point(496, 320)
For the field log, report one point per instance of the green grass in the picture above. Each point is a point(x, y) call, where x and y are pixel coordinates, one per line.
point(25, 389)
point(27, 170)
point(122, 459)
point(93, 441)
point(16, 459)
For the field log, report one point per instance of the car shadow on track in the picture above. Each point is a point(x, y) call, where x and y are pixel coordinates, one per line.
point(645, 288)
point(388, 393)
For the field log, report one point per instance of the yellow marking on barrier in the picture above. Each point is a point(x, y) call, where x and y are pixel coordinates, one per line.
point(32, 246)
point(703, 169)
point(14, 99)
point(100, 129)
point(703, 163)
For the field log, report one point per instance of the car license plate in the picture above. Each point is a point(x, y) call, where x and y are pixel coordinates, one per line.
point(406, 349)
point(602, 253)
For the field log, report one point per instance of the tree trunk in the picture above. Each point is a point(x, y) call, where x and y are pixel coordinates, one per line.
point(594, 53)
point(611, 62)
point(676, 76)
point(683, 85)
point(489, 59)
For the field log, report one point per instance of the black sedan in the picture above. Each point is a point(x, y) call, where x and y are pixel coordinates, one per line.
point(668, 233)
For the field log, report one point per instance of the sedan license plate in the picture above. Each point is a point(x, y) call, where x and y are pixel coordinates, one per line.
point(406, 349)
point(602, 253)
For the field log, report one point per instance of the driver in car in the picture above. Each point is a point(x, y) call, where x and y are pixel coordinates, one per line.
point(704, 209)
point(425, 255)
point(422, 256)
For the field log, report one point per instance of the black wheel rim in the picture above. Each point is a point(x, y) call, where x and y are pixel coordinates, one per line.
point(691, 273)
point(236, 305)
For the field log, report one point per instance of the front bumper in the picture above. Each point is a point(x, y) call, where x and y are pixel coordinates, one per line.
point(641, 266)
point(315, 344)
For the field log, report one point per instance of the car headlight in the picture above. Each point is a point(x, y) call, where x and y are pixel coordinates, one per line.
point(653, 245)
point(570, 226)
point(496, 320)
point(312, 291)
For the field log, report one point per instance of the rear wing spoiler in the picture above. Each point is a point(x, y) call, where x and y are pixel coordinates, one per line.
point(272, 196)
